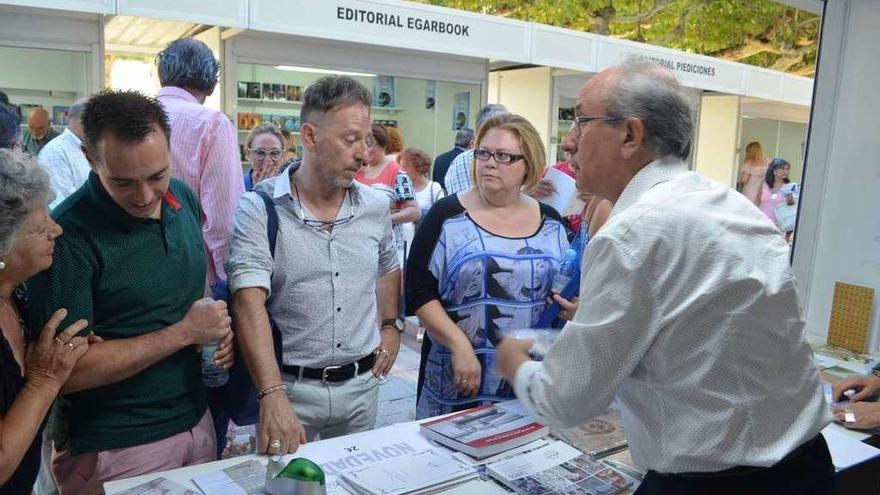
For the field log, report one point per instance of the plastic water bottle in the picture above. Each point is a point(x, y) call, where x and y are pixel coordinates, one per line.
point(567, 269)
point(212, 375)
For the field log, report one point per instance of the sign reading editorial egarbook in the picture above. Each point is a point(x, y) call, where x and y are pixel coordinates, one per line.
point(398, 24)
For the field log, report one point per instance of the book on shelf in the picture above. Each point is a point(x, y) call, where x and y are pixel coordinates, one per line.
point(294, 92)
point(428, 471)
point(242, 89)
point(558, 469)
point(597, 437)
point(60, 114)
point(253, 90)
point(268, 92)
point(486, 430)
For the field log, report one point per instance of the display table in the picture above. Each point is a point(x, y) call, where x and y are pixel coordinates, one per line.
point(865, 476)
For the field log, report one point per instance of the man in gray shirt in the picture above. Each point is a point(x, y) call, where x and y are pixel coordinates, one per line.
point(333, 275)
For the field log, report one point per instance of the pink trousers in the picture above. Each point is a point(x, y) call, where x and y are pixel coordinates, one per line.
point(85, 474)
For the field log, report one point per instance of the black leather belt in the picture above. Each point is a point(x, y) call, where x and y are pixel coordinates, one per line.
point(339, 373)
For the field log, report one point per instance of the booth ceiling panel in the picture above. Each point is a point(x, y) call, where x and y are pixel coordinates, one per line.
point(145, 33)
point(223, 13)
point(563, 48)
point(27, 27)
point(90, 6)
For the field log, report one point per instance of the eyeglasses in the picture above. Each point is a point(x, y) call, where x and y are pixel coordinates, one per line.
point(579, 121)
point(502, 157)
point(313, 222)
point(261, 153)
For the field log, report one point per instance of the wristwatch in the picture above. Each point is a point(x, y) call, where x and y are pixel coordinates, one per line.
point(396, 323)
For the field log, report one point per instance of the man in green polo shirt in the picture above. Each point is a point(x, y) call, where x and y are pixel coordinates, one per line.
point(131, 261)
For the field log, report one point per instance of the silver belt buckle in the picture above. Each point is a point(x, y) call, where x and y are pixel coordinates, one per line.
point(324, 373)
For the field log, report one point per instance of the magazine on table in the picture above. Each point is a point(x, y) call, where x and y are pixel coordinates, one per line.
point(158, 486)
point(558, 469)
point(246, 478)
point(597, 437)
point(427, 471)
point(486, 430)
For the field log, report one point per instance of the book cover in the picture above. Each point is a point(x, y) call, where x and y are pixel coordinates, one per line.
point(243, 121)
point(253, 90)
point(558, 469)
point(291, 123)
point(60, 114)
point(461, 110)
point(383, 91)
point(280, 92)
point(242, 89)
point(268, 92)
point(485, 430)
point(294, 92)
point(597, 437)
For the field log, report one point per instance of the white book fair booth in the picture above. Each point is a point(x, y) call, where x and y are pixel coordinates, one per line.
point(431, 69)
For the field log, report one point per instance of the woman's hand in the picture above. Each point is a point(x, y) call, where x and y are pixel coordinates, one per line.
point(466, 370)
point(51, 358)
point(569, 306)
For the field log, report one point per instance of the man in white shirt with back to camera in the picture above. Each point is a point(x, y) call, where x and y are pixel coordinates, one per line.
point(689, 312)
point(63, 157)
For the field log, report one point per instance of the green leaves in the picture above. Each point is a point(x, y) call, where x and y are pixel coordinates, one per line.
point(758, 32)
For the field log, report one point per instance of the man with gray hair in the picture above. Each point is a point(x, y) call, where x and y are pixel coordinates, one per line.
point(464, 140)
point(10, 130)
point(63, 157)
point(458, 177)
point(702, 344)
point(325, 283)
point(204, 145)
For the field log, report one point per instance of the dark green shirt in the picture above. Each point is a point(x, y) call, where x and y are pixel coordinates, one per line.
point(32, 146)
point(128, 277)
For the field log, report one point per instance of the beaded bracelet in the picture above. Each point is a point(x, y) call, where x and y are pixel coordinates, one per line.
point(271, 389)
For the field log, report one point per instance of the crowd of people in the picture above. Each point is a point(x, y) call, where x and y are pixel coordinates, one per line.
point(133, 239)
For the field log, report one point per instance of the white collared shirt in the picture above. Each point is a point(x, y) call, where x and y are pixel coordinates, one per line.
point(689, 312)
point(64, 161)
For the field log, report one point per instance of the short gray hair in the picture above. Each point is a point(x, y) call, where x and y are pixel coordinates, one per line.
point(647, 91)
point(10, 130)
point(464, 137)
point(188, 63)
point(24, 186)
point(330, 93)
point(489, 111)
point(266, 128)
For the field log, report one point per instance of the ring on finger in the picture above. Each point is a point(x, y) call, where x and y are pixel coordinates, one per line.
point(58, 340)
point(70, 344)
point(275, 443)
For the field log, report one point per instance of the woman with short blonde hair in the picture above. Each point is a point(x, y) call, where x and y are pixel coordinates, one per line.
point(480, 265)
point(265, 149)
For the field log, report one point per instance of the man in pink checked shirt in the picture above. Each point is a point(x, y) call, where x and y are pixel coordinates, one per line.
point(204, 154)
point(204, 146)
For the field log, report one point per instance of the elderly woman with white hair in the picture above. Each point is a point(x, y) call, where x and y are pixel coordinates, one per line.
point(30, 378)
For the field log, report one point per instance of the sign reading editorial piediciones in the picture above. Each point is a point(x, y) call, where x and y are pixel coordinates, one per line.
point(398, 21)
point(680, 66)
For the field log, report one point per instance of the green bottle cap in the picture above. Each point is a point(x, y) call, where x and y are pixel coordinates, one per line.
point(302, 469)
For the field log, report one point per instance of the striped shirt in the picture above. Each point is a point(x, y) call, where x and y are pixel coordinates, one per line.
point(458, 177)
point(204, 154)
point(321, 284)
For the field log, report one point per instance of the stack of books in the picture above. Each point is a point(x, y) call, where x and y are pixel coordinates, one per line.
point(486, 430)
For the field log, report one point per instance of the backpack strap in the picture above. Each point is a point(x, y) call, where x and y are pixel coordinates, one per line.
point(271, 220)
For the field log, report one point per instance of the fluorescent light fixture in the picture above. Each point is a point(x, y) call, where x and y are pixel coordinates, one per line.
point(322, 71)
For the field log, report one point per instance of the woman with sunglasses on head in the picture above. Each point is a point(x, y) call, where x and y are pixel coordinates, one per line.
point(265, 150)
point(500, 245)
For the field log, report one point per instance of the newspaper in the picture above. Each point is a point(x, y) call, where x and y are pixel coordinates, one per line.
point(423, 472)
point(247, 478)
point(158, 486)
point(558, 469)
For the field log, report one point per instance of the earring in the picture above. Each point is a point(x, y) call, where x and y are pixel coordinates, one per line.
point(2, 264)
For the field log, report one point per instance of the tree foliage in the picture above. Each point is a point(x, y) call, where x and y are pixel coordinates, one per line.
point(758, 32)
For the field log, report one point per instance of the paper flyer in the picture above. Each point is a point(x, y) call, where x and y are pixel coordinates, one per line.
point(461, 110)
